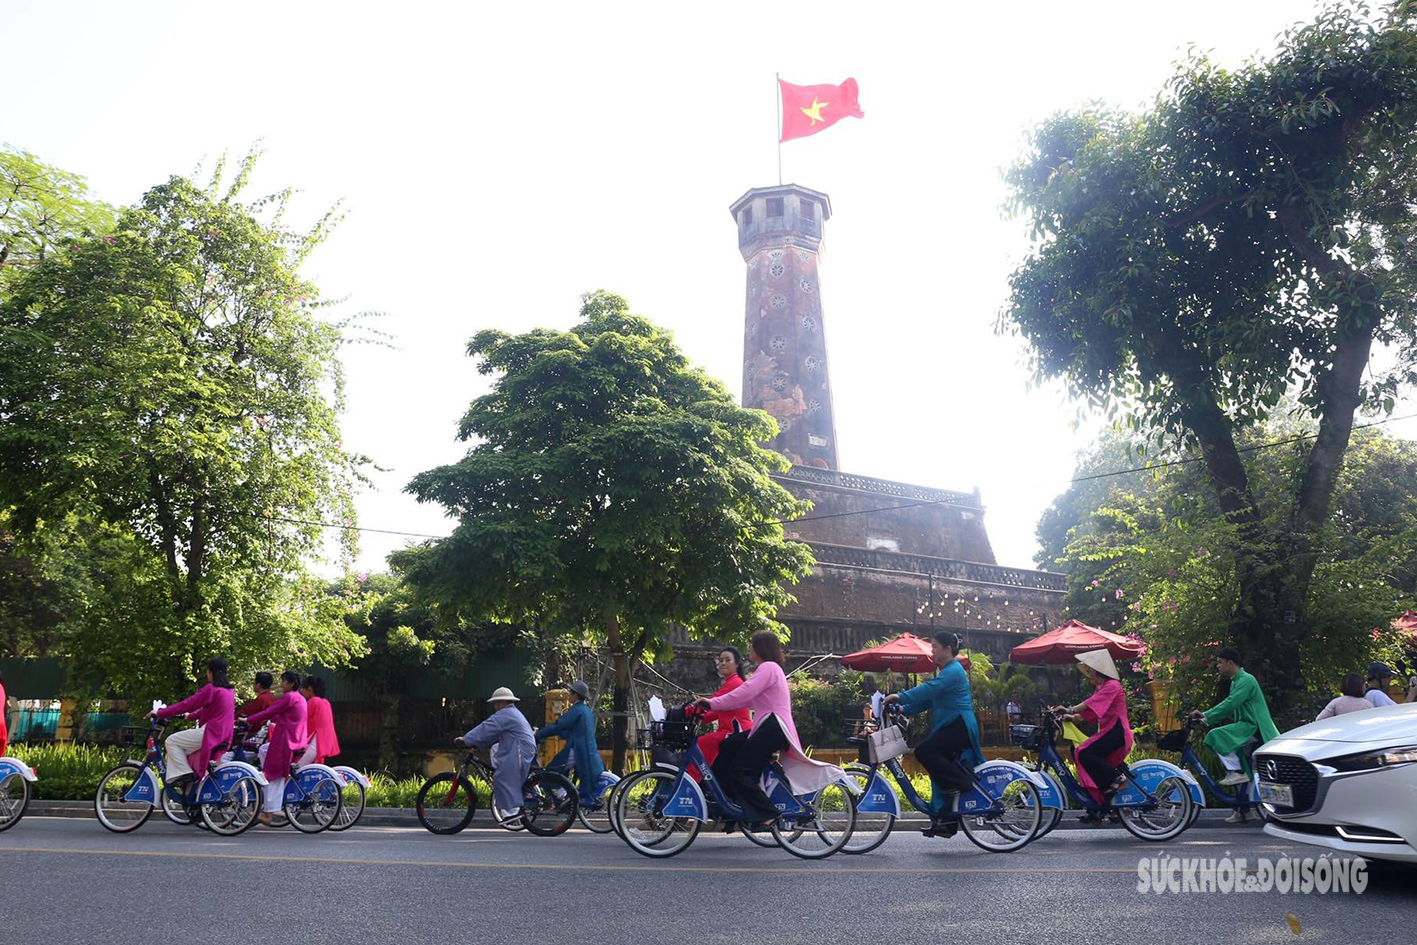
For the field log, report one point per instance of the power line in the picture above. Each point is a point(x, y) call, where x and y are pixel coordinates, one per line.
point(1167, 464)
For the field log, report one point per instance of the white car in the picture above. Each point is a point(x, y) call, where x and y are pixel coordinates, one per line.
point(1347, 783)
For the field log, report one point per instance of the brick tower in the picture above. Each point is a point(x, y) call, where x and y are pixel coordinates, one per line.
point(784, 347)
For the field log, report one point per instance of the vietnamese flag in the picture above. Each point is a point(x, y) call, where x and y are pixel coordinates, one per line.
point(807, 109)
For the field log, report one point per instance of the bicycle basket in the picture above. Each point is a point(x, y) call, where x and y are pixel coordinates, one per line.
point(1174, 740)
point(675, 731)
point(1027, 736)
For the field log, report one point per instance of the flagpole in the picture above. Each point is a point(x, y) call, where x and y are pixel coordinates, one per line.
point(777, 84)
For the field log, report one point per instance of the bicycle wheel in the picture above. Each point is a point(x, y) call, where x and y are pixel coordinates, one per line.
point(639, 810)
point(872, 827)
point(1170, 816)
point(14, 799)
point(236, 811)
point(1052, 816)
point(351, 806)
point(446, 803)
point(827, 828)
point(595, 817)
point(111, 809)
point(1013, 827)
point(549, 803)
point(317, 809)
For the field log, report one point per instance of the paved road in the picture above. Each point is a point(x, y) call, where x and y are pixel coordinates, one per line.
point(69, 881)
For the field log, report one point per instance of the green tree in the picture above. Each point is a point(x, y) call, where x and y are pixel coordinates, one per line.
point(1155, 559)
point(169, 399)
point(614, 491)
point(403, 639)
point(1249, 233)
point(42, 209)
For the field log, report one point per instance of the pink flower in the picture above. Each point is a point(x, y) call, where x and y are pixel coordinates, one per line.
point(110, 240)
point(1120, 594)
point(1095, 583)
point(1171, 661)
point(1136, 667)
point(1172, 572)
point(1201, 552)
point(363, 576)
point(1376, 633)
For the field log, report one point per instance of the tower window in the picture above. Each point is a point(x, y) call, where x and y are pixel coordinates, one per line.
point(809, 209)
point(774, 206)
point(747, 215)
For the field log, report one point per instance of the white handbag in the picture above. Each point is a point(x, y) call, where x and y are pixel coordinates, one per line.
point(885, 743)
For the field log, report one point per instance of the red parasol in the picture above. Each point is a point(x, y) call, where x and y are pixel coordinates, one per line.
point(1408, 622)
point(906, 653)
point(1063, 644)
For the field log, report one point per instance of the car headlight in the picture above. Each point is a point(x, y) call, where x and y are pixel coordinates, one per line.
point(1375, 759)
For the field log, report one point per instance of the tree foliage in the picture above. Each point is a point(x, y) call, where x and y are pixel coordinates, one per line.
point(169, 398)
point(42, 210)
point(1251, 233)
point(1155, 559)
point(613, 491)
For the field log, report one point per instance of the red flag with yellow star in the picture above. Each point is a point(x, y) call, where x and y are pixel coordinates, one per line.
point(808, 109)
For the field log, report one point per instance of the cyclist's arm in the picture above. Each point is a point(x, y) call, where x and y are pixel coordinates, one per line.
point(190, 704)
point(1241, 691)
point(559, 728)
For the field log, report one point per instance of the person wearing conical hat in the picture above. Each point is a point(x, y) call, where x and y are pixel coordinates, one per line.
point(1100, 757)
point(513, 745)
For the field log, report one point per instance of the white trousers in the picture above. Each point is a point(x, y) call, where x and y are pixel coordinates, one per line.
point(311, 750)
point(273, 796)
point(1230, 761)
point(179, 745)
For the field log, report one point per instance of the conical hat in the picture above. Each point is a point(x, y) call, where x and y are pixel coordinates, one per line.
point(1101, 661)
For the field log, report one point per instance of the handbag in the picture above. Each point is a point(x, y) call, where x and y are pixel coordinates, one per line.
point(885, 743)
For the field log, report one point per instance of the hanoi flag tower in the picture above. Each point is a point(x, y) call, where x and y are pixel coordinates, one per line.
point(784, 341)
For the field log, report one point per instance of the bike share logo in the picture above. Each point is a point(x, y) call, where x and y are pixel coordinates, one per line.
point(1174, 874)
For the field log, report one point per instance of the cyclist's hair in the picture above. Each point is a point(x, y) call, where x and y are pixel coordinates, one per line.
point(315, 684)
point(949, 639)
point(1352, 685)
point(292, 677)
point(264, 679)
point(217, 665)
point(737, 660)
point(1231, 654)
point(766, 644)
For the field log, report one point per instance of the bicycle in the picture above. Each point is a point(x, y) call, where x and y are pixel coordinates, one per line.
point(1245, 796)
point(1155, 803)
point(355, 788)
point(664, 803)
point(549, 800)
point(15, 778)
point(225, 799)
point(1000, 814)
point(314, 794)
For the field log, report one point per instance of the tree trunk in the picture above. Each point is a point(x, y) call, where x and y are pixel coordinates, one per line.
point(388, 732)
point(620, 705)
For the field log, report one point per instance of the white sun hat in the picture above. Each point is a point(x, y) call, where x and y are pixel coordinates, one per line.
point(503, 695)
point(1101, 661)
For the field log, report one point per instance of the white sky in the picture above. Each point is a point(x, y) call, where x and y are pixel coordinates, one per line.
point(498, 162)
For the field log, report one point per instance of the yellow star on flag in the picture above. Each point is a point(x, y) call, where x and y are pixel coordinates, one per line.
point(815, 111)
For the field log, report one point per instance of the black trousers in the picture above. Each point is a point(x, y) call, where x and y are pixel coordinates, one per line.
point(739, 767)
point(1092, 757)
point(939, 755)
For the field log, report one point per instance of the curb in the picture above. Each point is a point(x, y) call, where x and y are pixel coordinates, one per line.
point(1209, 818)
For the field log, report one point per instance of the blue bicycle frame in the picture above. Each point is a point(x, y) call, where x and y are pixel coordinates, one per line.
point(1242, 799)
point(687, 799)
point(300, 784)
point(1134, 795)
